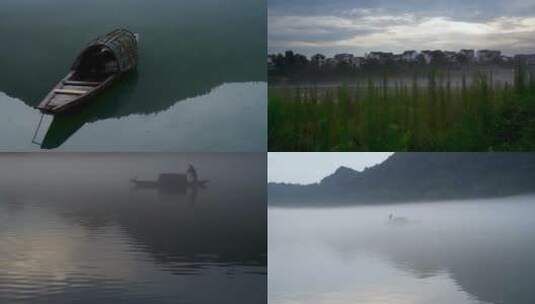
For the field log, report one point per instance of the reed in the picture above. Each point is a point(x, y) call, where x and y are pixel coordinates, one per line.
point(386, 115)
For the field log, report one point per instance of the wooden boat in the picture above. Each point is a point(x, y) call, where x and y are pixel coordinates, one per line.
point(104, 60)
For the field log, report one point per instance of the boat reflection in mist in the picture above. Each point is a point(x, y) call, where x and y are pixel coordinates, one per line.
point(84, 235)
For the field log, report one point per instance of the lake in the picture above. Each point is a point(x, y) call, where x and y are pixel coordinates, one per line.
point(480, 251)
point(81, 232)
point(200, 84)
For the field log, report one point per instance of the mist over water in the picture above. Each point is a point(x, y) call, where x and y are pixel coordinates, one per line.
point(74, 229)
point(477, 251)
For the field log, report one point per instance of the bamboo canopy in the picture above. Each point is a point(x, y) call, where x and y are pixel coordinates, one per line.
point(121, 43)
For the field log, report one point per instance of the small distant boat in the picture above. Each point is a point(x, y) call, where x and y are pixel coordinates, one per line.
point(172, 182)
point(397, 220)
point(96, 68)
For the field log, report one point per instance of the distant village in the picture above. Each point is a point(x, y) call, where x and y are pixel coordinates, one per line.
point(410, 57)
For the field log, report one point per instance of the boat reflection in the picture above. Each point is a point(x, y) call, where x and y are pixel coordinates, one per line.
point(64, 125)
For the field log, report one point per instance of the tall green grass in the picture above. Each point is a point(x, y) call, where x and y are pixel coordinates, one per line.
point(480, 116)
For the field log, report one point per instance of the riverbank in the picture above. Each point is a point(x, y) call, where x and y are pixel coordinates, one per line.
point(480, 116)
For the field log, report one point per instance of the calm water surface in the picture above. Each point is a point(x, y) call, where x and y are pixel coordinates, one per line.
point(81, 233)
point(448, 252)
point(200, 84)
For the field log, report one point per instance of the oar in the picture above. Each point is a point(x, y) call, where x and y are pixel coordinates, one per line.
point(38, 128)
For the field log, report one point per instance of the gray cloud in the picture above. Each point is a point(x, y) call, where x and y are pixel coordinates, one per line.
point(331, 26)
point(315, 29)
point(460, 9)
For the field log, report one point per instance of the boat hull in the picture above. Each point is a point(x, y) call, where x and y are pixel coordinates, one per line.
point(97, 66)
point(69, 94)
point(146, 184)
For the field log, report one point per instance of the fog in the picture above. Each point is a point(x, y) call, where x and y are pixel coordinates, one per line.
point(74, 228)
point(478, 251)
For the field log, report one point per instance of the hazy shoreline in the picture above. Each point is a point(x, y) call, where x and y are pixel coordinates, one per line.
point(499, 76)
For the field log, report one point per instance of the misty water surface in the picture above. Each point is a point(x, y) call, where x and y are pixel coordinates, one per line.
point(200, 84)
point(443, 77)
point(480, 251)
point(73, 229)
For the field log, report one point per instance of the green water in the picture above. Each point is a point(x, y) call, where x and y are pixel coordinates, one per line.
point(200, 83)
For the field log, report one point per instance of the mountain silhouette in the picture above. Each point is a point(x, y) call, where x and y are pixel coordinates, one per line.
point(408, 177)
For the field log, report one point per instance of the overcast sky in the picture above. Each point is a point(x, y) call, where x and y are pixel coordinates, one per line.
point(360, 26)
point(307, 168)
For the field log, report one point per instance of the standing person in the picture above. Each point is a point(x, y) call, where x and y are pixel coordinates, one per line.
point(192, 174)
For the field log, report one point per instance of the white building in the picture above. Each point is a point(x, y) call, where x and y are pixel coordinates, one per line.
point(507, 59)
point(382, 57)
point(344, 58)
point(356, 62)
point(318, 60)
point(410, 56)
point(451, 57)
point(331, 62)
point(428, 56)
point(270, 63)
point(487, 56)
point(469, 54)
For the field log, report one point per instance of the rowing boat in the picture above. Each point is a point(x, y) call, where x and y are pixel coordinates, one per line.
point(97, 66)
